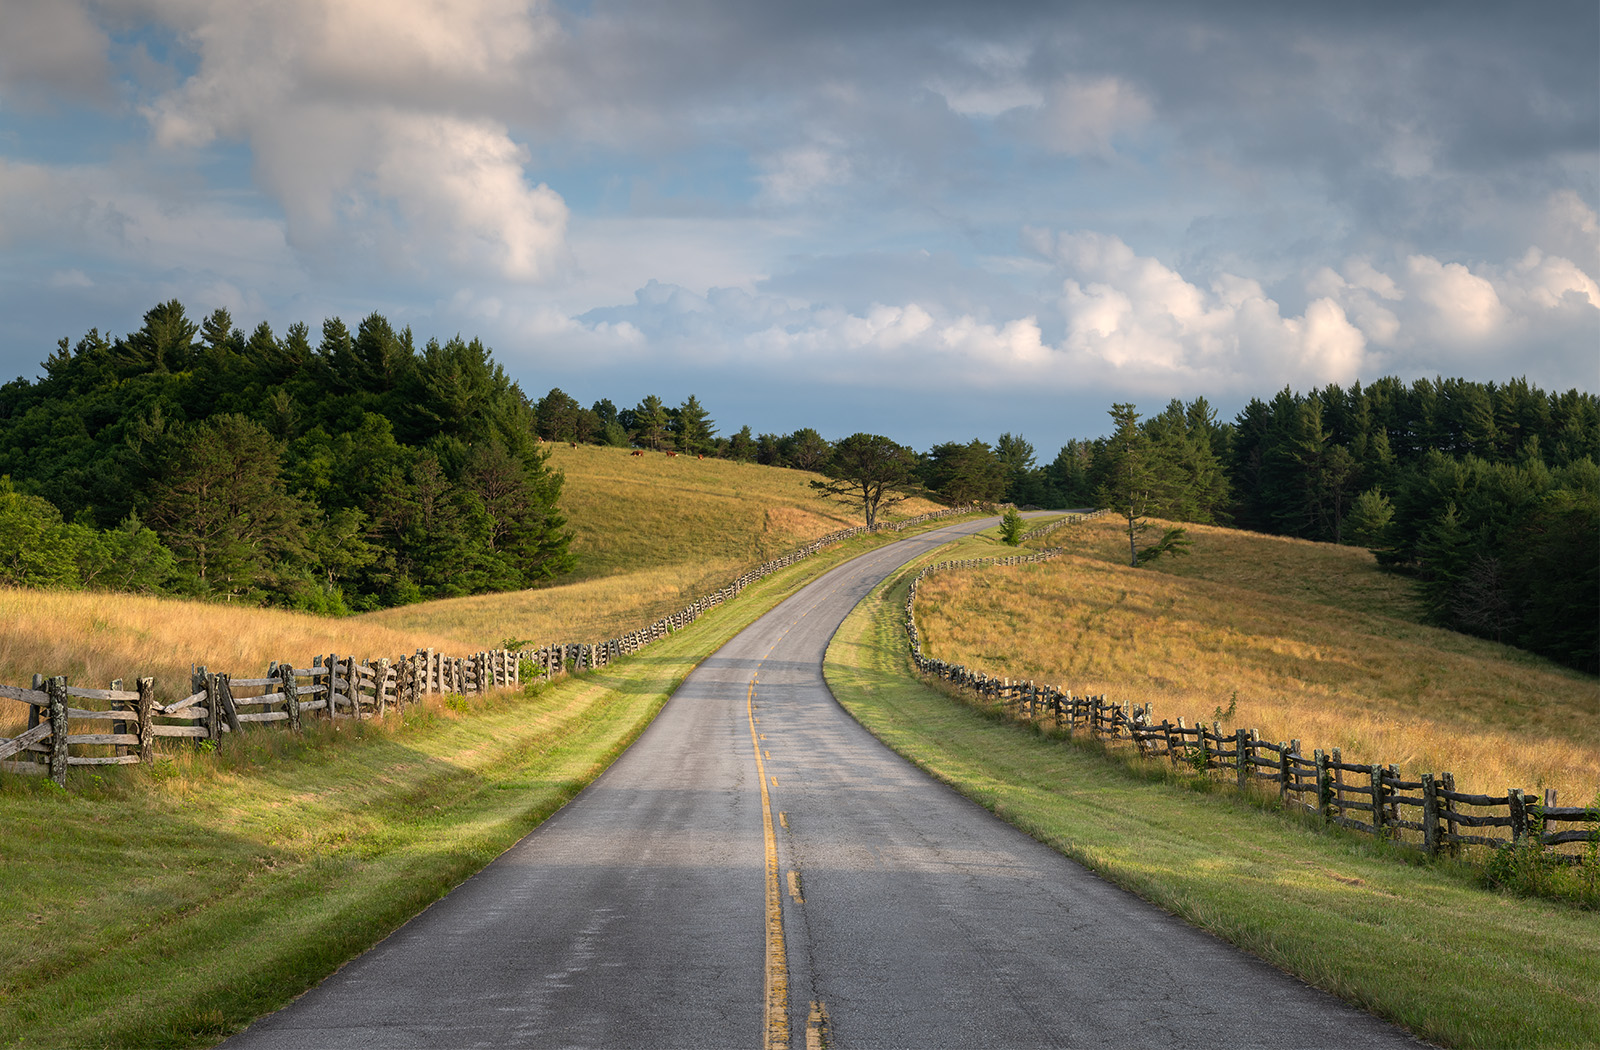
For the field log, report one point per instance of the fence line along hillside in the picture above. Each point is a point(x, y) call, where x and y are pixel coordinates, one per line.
point(1426, 812)
point(332, 687)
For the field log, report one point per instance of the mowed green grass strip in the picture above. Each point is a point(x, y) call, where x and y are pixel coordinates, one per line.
point(1420, 944)
point(171, 907)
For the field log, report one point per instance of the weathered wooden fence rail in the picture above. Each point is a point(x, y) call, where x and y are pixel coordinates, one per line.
point(333, 687)
point(1428, 812)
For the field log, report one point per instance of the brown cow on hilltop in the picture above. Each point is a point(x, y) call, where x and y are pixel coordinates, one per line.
point(637, 452)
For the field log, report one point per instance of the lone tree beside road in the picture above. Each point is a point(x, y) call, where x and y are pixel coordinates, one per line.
point(869, 471)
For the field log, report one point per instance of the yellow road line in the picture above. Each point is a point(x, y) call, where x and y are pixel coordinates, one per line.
point(777, 982)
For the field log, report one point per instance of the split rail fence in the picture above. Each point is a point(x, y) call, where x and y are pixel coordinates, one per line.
point(1426, 812)
point(62, 725)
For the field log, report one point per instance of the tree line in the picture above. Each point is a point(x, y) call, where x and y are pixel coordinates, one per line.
point(350, 473)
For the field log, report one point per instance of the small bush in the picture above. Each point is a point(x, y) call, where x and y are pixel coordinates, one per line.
point(1011, 527)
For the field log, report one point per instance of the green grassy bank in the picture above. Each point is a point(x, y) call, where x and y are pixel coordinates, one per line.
point(170, 906)
point(1420, 944)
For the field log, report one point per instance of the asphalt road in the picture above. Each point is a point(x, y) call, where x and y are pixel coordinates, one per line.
point(821, 891)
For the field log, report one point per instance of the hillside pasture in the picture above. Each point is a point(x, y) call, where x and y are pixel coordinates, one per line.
point(1300, 640)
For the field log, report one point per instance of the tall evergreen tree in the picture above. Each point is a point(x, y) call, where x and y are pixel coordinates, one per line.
point(650, 424)
point(694, 429)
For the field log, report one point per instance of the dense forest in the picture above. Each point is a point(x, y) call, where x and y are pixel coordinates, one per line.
point(357, 472)
point(361, 471)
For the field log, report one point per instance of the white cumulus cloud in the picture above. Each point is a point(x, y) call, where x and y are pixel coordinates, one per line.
point(372, 124)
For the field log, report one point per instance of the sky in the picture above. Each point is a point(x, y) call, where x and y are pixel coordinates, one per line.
point(935, 221)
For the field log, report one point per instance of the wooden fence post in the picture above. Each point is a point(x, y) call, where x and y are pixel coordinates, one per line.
point(230, 713)
point(1241, 757)
point(57, 690)
point(1430, 815)
point(207, 683)
point(119, 725)
point(1519, 814)
point(1283, 772)
point(289, 685)
point(1319, 760)
point(1447, 780)
point(147, 729)
point(1338, 786)
point(1378, 803)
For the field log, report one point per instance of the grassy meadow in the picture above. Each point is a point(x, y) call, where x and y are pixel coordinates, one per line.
point(1420, 944)
point(651, 532)
point(1300, 640)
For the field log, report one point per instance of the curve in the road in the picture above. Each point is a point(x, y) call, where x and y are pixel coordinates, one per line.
point(758, 870)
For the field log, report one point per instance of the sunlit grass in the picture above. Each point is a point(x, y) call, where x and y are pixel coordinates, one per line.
point(1300, 640)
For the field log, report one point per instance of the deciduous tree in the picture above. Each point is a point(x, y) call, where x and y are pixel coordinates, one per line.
point(868, 471)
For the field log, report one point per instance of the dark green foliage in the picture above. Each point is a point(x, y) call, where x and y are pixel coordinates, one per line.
point(693, 429)
point(1011, 526)
point(964, 473)
point(650, 425)
point(1173, 542)
point(357, 473)
point(868, 471)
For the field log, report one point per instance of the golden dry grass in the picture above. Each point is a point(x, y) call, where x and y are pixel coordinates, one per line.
point(1310, 640)
point(652, 533)
point(92, 638)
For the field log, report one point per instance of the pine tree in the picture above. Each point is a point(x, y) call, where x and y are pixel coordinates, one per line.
point(650, 424)
point(694, 428)
point(1137, 482)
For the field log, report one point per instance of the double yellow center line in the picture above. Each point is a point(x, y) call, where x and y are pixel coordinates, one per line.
point(777, 980)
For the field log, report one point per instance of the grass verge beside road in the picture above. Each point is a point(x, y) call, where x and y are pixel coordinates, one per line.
point(1419, 944)
point(170, 906)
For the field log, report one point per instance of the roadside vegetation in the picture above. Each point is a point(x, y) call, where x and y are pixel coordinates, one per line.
point(169, 905)
point(1301, 640)
point(1420, 944)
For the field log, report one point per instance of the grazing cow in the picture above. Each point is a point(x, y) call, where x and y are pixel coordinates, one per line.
point(674, 455)
point(637, 452)
point(574, 444)
point(702, 455)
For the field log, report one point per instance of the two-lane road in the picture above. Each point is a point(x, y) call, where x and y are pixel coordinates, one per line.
point(757, 870)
